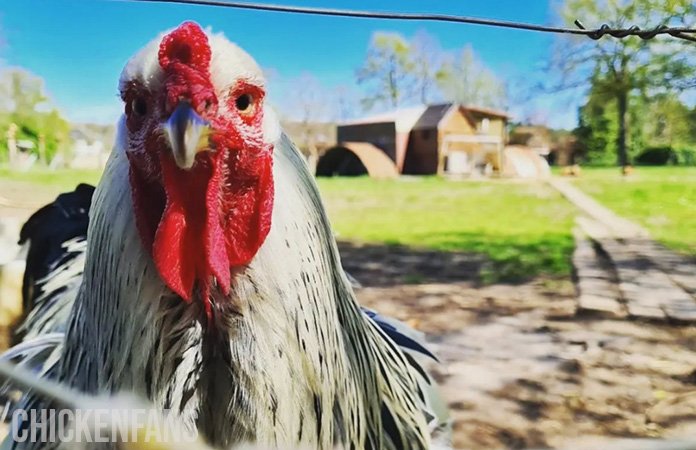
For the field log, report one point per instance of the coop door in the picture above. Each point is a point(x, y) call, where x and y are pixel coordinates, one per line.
point(458, 162)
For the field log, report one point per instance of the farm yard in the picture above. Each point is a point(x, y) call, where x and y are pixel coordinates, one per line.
point(483, 268)
point(515, 182)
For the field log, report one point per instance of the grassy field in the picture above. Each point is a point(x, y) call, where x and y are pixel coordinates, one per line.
point(62, 180)
point(524, 229)
point(663, 199)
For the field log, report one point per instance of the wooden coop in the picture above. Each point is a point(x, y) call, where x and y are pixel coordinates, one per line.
point(444, 139)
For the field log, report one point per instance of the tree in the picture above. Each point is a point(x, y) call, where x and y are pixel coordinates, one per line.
point(346, 102)
point(661, 121)
point(597, 128)
point(426, 63)
point(20, 93)
point(399, 71)
point(691, 118)
point(669, 122)
point(625, 67)
point(23, 92)
point(56, 132)
point(465, 79)
point(21, 99)
point(388, 68)
point(308, 106)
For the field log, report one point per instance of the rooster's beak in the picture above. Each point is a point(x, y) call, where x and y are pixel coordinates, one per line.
point(187, 133)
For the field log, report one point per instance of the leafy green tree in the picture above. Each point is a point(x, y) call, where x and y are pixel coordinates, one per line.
point(597, 130)
point(387, 68)
point(630, 65)
point(56, 134)
point(599, 127)
point(669, 122)
point(400, 71)
point(636, 120)
point(22, 99)
point(691, 118)
point(465, 79)
point(23, 93)
point(660, 121)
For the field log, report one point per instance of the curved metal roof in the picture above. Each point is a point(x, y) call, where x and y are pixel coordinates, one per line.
point(375, 161)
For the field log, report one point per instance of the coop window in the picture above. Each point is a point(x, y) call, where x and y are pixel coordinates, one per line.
point(485, 125)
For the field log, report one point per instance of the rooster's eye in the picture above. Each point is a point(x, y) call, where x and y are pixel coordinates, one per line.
point(243, 103)
point(139, 106)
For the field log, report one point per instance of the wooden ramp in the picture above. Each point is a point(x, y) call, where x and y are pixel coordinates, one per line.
point(622, 272)
point(645, 289)
point(595, 278)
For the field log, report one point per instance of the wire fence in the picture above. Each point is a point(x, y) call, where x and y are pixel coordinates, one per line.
point(685, 33)
point(66, 397)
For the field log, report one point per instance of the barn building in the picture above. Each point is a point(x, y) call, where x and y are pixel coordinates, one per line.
point(438, 139)
point(557, 146)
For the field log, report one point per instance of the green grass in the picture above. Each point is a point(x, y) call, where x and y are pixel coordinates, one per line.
point(662, 199)
point(60, 179)
point(523, 228)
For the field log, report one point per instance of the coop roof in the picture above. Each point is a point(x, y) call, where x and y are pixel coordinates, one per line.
point(487, 112)
point(422, 117)
point(432, 116)
point(404, 119)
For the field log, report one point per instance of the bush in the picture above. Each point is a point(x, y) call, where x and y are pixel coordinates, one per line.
point(657, 156)
point(686, 156)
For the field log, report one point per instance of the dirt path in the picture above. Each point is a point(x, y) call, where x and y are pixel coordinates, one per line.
point(520, 367)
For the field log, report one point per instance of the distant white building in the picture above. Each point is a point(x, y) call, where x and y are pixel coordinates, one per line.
point(88, 149)
point(82, 147)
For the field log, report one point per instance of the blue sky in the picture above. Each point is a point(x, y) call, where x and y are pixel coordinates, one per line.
point(80, 46)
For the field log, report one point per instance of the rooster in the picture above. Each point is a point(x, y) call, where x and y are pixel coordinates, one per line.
point(212, 283)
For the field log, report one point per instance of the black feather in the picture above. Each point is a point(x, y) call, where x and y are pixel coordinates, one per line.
point(46, 232)
point(401, 339)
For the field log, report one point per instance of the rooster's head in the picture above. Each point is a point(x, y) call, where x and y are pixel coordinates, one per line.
point(200, 154)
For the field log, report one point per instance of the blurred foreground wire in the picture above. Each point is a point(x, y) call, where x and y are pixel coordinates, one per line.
point(685, 33)
point(70, 398)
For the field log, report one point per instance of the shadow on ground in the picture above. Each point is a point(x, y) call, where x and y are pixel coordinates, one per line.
point(502, 262)
point(376, 265)
point(520, 369)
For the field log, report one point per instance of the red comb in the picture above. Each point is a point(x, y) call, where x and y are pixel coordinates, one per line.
point(188, 44)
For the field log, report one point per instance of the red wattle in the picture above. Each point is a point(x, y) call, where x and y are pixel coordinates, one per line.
point(218, 262)
point(187, 240)
point(249, 220)
point(172, 242)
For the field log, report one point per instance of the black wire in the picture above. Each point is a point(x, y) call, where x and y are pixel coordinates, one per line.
point(598, 33)
point(636, 31)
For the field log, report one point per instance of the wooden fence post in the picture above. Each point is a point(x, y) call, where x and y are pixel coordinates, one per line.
point(12, 143)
